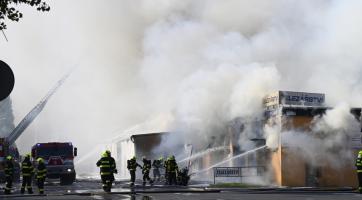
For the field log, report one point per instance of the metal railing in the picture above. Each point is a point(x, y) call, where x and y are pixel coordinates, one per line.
point(243, 171)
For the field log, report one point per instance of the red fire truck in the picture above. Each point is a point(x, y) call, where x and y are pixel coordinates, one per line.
point(59, 159)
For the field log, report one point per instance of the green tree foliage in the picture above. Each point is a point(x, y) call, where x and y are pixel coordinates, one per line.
point(8, 10)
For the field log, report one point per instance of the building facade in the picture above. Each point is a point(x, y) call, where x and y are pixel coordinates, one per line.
point(293, 113)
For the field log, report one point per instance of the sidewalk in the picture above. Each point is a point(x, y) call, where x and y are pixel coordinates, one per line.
point(286, 189)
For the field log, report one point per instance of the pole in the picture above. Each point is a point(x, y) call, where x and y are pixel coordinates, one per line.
point(2, 30)
point(214, 175)
point(188, 166)
point(241, 174)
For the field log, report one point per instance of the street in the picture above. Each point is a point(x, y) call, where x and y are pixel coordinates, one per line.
point(90, 189)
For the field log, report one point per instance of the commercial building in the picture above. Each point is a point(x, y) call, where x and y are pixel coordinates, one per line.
point(292, 116)
point(293, 112)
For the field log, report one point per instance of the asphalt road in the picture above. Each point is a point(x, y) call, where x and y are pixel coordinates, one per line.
point(91, 190)
point(259, 196)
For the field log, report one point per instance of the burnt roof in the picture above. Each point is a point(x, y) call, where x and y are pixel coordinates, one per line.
point(147, 135)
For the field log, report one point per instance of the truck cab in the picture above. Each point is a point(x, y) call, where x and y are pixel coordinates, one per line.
point(59, 160)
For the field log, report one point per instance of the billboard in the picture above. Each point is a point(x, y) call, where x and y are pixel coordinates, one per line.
point(294, 98)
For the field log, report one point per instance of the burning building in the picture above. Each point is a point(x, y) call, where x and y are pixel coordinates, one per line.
point(289, 143)
point(294, 115)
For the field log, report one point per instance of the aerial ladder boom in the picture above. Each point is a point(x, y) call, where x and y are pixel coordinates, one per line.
point(29, 118)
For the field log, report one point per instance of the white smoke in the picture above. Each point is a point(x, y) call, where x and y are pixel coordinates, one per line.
point(329, 140)
point(338, 120)
point(199, 63)
point(6, 117)
point(272, 135)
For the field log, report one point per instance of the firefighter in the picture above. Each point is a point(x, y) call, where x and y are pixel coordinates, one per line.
point(9, 172)
point(359, 170)
point(172, 170)
point(106, 171)
point(157, 164)
point(112, 165)
point(41, 174)
point(132, 167)
point(165, 164)
point(183, 176)
point(27, 171)
point(146, 168)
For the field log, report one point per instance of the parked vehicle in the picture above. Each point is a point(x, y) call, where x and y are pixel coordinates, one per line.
point(59, 159)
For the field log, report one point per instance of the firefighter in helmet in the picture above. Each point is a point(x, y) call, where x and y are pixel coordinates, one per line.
point(9, 172)
point(106, 170)
point(112, 164)
point(165, 164)
point(132, 167)
point(41, 174)
point(27, 171)
point(359, 170)
point(146, 168)
point(157, 164)
point(183, 176)
point(172, 170)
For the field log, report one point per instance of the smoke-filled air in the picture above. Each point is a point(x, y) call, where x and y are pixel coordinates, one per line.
point(190, 67)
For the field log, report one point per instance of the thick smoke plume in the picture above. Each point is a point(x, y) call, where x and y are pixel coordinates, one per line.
point(329, 140)
point(193, 65)
point(6, 117)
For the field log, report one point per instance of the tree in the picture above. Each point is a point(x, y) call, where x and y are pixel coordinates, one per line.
point(8, 10)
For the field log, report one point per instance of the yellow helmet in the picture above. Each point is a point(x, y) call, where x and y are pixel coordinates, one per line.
point(27, 155)
point(104, 154)
point(40, 160)
point(108, 152)
point(9, 157)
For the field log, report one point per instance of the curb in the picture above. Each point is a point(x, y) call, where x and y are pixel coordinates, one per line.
point(147, 191)
point(286, 190)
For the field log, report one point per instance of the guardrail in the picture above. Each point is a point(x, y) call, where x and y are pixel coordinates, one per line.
point(244, 171)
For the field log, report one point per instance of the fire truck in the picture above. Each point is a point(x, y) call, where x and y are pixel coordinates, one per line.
point(59, 160)
point(5, 150)
point(64, 151)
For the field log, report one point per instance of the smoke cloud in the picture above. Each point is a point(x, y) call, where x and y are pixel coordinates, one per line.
point(186, 66)
point(329, 139)
point(6, 117)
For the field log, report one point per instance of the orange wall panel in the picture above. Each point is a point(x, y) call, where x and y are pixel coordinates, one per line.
point(275, 167)
point(293, 168)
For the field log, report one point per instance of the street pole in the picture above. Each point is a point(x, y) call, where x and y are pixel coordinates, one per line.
point(188, 166)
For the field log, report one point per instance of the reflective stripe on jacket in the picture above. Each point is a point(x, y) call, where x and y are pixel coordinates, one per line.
point(132, 165)
point(27, 168)
point(359, 162)
point(41, 171)
point(106, 166)
point(172, 166)
point(9, 168)
point(146, 166)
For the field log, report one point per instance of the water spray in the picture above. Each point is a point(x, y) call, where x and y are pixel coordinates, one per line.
point(230, 159)
point(29, 118)
point(200, 154)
